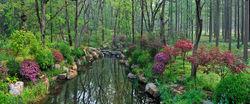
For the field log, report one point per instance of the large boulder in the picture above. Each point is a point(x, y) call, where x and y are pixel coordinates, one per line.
point(152, 89)
point(95, 55)
point(131, 76)
point(57, 66)
point(16, 88)
point(89, 58)
point(74, 66)
point(62, 76)
point(71, 74)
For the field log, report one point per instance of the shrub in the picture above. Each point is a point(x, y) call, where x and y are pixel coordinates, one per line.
point(162, 57)
point(24, 43)
point(66, 52)
point(159, 68)
point(184, 45)
point(208, 81)
point(193, 96)
point(233, 89)
point(78, 53)
point(58, 56)
point(144, 58)
point(45, 59)
point(13, 66)
point(30, 69)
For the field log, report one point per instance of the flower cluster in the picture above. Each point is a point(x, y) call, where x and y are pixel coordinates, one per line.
point(160, 60)
point(184, 45)
point(159, 67)
point(30, 69)
point(162, 57)
point(58, 56)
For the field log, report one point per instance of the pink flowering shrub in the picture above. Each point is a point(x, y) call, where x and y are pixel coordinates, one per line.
point(184, 45)
point(30, 69)
point(58, 56)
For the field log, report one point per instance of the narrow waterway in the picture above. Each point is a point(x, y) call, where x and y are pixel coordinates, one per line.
point(105, 82)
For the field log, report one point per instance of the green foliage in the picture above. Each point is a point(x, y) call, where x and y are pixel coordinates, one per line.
point(33, 93)
point(45, 58)
point(78, 53)
point(24, 43)
point(3, 86)
point(12, 79)
point(208, 81)
point(166, 94)
point(66, 51)
point(137, 71)
point(148, 71)
point(140, 57)
point(13, 67)
point(30, 95)
point(193, 96)
point(6, 98)
point(54, 72)
point(233, 89)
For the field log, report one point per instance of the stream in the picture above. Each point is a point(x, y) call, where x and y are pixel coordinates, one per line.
point(105, 82)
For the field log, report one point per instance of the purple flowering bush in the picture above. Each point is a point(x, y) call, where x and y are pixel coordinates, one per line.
point(30, 69)
point(162, 57)
point(159, 67)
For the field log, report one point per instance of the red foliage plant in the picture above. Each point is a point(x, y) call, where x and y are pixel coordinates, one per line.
point(58, 56)
point(184, 45)
point(215, 56)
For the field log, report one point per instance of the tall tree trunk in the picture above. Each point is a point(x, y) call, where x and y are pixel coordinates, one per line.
point(76, 24)
point(210, 22)
point(68, 23)
point(246, 35)
point(198, 35)
point(162, 20)
point(51, 22)
point(42, 19)
point(133, 22)
point(238, 23)
point(142, 17)
point(217, 22)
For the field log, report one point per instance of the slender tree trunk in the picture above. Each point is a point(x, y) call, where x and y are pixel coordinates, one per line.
point(142, 17)
point(68, 23)
point(217, 22)
point(210, 22)
point(76, 24)
point(162, 32)
point(51, 22)
point(133, 22)
point(246, 28)
point(198, 35)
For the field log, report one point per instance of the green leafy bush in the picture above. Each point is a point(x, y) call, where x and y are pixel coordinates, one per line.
point(24, 43)
point(13, 66)
point(78, 53)
point(45, 59)
point(208, 81)
point(233, 89)
point(6, 98)
point(144, 58)
point(66, 51)
point(140, 57)
point(193, 96)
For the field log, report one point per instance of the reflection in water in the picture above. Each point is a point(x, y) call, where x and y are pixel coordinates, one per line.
point(105, 83)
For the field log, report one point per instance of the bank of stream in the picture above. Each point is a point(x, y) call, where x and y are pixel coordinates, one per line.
point(103, 82)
